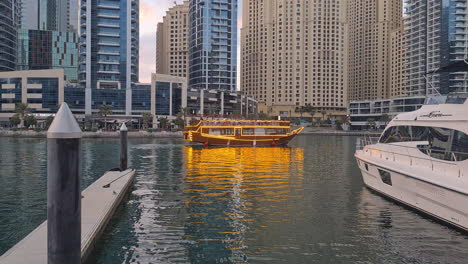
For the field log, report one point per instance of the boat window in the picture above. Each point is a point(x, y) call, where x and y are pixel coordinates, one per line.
point(437, 142)
point(271, 131)
point(260, 131)
point(221, 131)
point(456, 99)
point(396, 134)
point(385, 176)
point(248, 131)
point(460, 145)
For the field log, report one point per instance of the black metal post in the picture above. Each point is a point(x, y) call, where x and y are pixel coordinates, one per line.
point(123, 147)
point(63, 189)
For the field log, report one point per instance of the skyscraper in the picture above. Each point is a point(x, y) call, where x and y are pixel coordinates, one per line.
point(294, 53)
point(10, 14)
point(172, 41)
point(372, 27)
point(213, 44)
point(55, 15)
point(45, 49)
point(437, 35)
point(109, 44)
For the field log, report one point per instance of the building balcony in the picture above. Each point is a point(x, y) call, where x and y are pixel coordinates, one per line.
point(107, 25)
point(108, 7)
point(108, 16)
point(108, 72)
point(109, 44)
point(108, 62)
point(108, 35)
point(108, 53)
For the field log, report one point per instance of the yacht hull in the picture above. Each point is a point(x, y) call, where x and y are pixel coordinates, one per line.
point(440, 202)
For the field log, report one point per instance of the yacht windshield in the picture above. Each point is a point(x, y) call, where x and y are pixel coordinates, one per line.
point(456, 98)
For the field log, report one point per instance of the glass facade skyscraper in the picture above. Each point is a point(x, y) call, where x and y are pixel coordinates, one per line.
point(10, 14)
point(109, 43)
point(437, 35)
point(41, 49)
point(56, 15)
point(213, 44)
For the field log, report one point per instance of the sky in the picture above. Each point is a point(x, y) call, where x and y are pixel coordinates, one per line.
point(151, 13)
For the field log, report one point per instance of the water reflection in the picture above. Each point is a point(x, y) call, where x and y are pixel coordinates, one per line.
point(228, 189)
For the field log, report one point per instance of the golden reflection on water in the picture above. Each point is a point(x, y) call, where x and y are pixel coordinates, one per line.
point(228, 188)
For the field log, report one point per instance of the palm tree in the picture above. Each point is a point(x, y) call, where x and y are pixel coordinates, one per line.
point(324, 113)
point(147, 117)
point(184, 111)
point(22, 110)
point(105, 110)
point(300, 110)
point(163, 122)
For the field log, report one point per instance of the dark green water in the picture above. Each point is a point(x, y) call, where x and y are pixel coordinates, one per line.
point(302, 204)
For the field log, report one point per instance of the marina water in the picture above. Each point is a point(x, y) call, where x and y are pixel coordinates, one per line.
point(302, 204)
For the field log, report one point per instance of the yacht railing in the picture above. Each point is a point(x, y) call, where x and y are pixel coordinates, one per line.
point(366, 140)
point(407, 155)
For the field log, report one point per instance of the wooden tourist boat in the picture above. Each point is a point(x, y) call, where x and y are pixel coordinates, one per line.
point(241, 133)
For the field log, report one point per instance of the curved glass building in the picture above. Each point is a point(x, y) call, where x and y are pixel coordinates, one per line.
point(10, 14)
point(213, 44)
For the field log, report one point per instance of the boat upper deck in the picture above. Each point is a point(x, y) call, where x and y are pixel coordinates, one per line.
point(241, 123)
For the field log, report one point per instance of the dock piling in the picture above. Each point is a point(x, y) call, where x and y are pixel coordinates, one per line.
point(63, 189)
point(123, 147)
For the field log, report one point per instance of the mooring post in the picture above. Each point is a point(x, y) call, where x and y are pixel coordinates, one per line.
point(63, 189)
point(123, 147)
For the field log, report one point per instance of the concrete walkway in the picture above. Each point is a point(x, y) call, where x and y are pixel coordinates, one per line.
point(98, 204)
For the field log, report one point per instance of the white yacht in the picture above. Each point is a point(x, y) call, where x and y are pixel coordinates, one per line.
point(421, 160)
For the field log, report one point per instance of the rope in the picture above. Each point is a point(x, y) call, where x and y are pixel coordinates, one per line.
point(109, 184)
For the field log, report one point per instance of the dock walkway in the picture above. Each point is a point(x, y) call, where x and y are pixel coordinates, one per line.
point(98, 204)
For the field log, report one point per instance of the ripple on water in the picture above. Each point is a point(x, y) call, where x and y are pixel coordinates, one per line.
point(302, 204)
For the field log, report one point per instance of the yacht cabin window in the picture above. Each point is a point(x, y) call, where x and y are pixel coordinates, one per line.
point(437, 142)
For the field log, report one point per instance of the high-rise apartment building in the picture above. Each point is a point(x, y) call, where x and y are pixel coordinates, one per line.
point(294, 53)
point(213, 44)
point(10, 14)
point(172, 41)
point(55, 15)
point(375, 34)
point(397, 61)
point(45, 49)
point(109, 47)
point(437, 35)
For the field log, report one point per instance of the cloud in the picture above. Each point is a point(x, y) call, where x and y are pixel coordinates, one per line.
point(151, 13)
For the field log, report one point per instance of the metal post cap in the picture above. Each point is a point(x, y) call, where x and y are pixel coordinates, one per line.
point(64, 124)
point(123, 127)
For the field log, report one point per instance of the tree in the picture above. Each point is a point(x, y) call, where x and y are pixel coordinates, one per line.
point(193, 121)
point(184, 111)
point(371, 123)
point(385, 118)
point(179, 122)
point(22, 110)
point(324, 113)
point(29, 121)
point(300, 110)
point(105, 110)
point(48, 121)
point(263, 116)
point(15, 120)
point(163, 122)
point(147, 119)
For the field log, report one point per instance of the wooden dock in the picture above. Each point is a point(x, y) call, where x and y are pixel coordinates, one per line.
point(98, 204)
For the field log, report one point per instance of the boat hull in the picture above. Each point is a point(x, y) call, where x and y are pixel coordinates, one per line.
point(223, 141)
point(442, 203)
